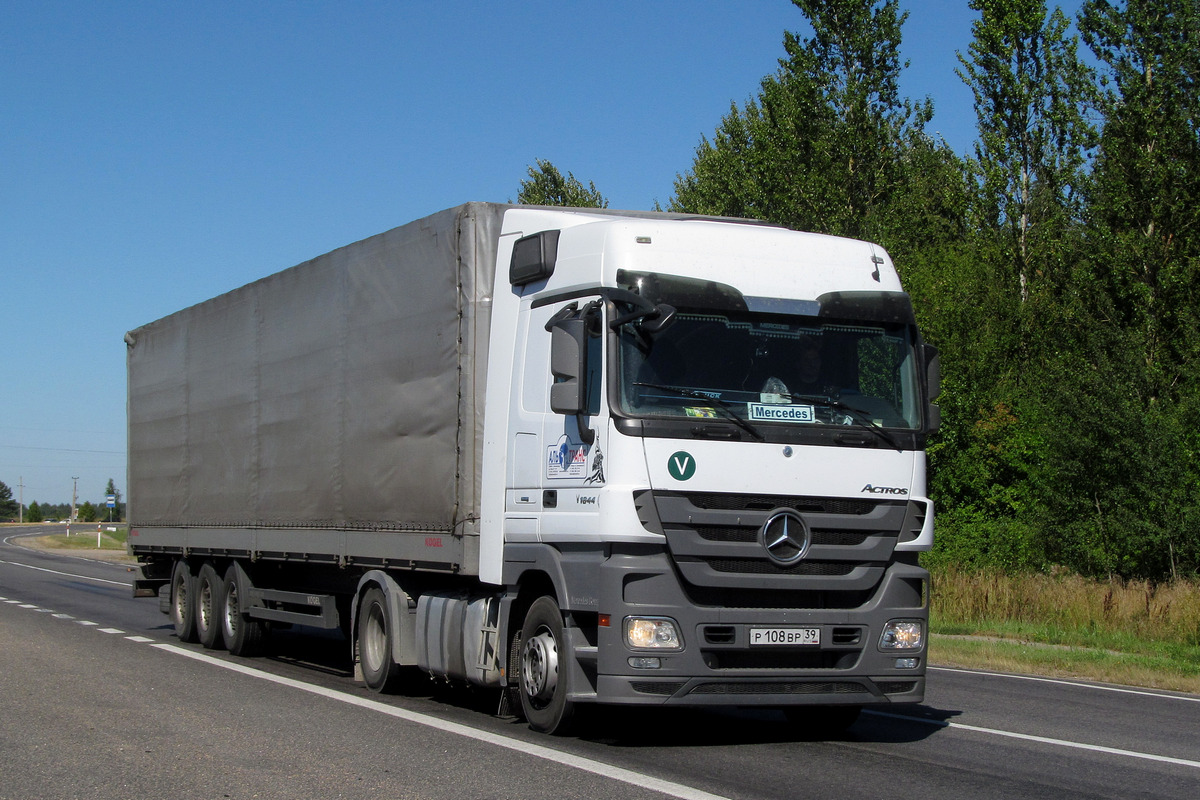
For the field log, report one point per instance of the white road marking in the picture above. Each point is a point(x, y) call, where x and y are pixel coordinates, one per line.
point(1079, 684)
point(139, 639)
point(1095, 748)
point(110, 630)
point(66, 574)
point(536, 750)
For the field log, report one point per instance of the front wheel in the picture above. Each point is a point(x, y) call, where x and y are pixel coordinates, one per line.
point(544, 670)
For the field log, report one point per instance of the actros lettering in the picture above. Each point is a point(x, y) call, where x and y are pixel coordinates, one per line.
point(884, 489)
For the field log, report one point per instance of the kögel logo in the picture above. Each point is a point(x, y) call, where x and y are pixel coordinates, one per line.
point(785, 537)
point(884, 489)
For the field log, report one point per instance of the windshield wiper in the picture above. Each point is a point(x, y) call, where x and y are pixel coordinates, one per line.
point(715, 403)
point(860, 418)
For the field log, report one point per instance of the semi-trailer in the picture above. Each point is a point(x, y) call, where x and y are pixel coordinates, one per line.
point(576, 455)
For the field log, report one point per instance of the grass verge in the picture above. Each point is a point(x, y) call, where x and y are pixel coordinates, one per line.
point(1062, 625)
point(86, 540)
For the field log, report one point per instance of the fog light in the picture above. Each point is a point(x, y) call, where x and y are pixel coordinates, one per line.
point(902, 634)
point(652, 633)
point(907, 663)
point(645, 662)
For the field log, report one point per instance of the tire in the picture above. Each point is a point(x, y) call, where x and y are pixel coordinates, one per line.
point(242, 635)
point(210, 591)
point(183, 595)
point(544, 671)
point(822, 721)
point(376, 631)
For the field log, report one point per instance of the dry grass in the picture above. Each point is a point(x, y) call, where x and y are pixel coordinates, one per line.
point(1079, 609)
point(1129, 632)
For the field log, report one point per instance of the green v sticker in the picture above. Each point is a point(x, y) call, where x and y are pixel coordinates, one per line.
point(681, 465)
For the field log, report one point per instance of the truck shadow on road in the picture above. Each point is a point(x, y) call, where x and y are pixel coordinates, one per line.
point(664, 727)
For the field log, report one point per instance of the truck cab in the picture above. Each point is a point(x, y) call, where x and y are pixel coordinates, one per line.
point(711, 456)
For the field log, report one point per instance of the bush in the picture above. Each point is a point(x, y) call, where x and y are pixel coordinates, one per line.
point(969, 543)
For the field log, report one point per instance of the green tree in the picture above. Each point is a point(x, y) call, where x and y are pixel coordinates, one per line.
point(1125, 499)
point(34, 513)
point(1146, 223)
point(1030, 92)
point(822, 146)
point(87, 512)
point(1023, 241)
point(8, 506)
point(546, 186)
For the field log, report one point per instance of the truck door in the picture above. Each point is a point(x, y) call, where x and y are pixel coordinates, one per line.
point(556, 461)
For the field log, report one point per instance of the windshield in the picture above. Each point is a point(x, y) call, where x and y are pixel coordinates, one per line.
point(771, 368)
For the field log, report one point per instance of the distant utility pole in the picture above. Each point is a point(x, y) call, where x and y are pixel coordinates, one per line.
point(74, 496)
point(21, 500)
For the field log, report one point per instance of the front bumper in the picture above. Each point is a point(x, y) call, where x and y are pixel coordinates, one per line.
point(718, 666)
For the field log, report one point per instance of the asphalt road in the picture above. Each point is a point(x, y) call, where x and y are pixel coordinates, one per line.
point(99, 700)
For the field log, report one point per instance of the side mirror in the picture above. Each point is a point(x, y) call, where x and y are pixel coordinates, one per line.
point(568, 346)
point(933, 371)
point(933, 382)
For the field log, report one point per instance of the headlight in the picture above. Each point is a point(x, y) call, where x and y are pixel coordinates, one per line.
point(652, 633)
point(902, 634)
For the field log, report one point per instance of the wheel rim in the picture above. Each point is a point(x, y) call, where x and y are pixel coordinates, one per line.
point(374, 639)
point(181, 600)
point(231, 609)
point(539, 666)
point(206, 601)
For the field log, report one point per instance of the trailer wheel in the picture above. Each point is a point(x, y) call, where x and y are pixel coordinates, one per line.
point(183, 615)
point(242, 635)
point(543, 669)
point(375, 631)
point(210, 590)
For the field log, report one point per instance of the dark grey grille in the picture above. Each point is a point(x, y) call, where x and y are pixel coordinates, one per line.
point(651, 687)
point(895, 687)
point(780, 687)
point(780, 659)
point(715, 543)
point(819, 537)
point(768, 502)
point(760, 567)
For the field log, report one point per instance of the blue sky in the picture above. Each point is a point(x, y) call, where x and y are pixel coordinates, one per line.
point(156, 154)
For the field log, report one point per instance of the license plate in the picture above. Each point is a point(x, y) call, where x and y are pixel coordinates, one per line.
point(785, 636)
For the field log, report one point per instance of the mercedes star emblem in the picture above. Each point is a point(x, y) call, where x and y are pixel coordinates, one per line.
point(785, 537)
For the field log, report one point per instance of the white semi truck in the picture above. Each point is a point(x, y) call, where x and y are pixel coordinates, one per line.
point(577, 455)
